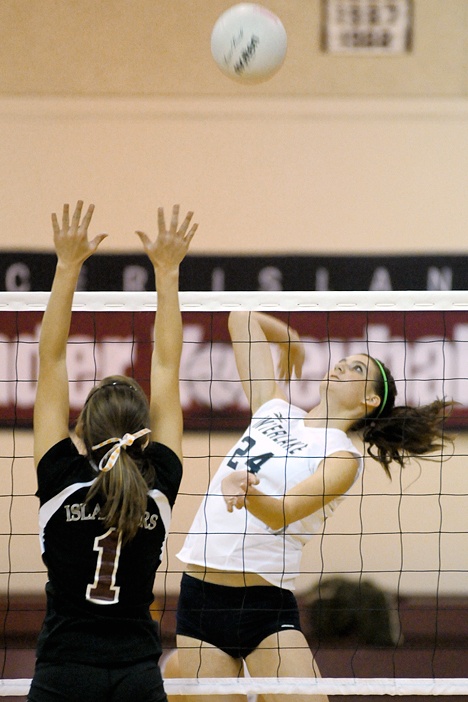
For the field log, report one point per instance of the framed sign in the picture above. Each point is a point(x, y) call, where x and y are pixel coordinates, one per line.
point(382, 27)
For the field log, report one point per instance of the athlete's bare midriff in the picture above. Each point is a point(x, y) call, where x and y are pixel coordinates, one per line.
point(229, 578)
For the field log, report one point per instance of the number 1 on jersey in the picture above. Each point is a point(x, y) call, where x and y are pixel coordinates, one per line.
point(104, 590)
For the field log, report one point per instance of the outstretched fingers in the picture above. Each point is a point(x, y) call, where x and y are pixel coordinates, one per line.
point(76, 215)
point(175, 219)
point(76, 222)
point(144, 238)
point(71, 236)
point(55, 224)
point(66, 217)
point(174, 229)
point(94, 243)
point(161, 220)
point(170, 245)
point(87, 218)
point(188, 235)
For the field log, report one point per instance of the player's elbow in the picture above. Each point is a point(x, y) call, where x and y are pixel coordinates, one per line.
point(277, 525)
point(278, 521)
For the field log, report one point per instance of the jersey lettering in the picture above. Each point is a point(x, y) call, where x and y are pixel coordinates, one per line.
point(149, 521)
point(276, 429)
point(104, 590)
point(252, 462)
point(79, 512)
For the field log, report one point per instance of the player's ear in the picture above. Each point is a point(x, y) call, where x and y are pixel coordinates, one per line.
point(372, 401)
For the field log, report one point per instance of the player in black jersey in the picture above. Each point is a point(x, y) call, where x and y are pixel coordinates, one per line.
point(105, 509)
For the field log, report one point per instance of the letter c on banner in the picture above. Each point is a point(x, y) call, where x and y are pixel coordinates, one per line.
point(17, 278)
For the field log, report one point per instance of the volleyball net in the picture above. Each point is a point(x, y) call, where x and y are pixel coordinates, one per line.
point(407, 537)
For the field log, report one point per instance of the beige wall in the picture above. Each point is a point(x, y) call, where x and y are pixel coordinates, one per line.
point(408, 535)
point(120, 103)
point(162, 47)
point(263, 175)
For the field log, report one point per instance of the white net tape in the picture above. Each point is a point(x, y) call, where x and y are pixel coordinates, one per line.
point(290, 686)
point(218, 301)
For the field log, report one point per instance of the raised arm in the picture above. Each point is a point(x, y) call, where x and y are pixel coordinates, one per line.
point(166, 254)
point(51, 408)
point(251, 335)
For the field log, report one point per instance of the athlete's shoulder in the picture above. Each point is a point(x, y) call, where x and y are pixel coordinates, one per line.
point(61, 466)
point(280, 408)
point(167, 469)
point(62, 449)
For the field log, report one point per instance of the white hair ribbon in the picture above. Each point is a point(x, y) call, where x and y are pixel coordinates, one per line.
point(109, 459)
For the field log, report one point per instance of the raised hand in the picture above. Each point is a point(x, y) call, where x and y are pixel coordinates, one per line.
point(170, 245)
point(291, 358)
point(71, 238)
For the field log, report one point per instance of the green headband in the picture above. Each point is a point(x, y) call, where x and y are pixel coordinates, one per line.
point(385, 381)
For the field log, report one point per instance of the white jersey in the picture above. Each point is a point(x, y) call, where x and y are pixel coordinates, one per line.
point(283, 452)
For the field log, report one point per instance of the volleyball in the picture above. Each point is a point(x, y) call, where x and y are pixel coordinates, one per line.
point(249, 43)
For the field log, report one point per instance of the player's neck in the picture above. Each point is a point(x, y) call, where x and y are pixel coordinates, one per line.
point(322, 416)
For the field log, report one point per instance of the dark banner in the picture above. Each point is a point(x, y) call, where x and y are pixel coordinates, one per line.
point(426, 352)
point(21, 271)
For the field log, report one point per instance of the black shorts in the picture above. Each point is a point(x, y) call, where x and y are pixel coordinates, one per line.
point(75, 682)
point(234, 619)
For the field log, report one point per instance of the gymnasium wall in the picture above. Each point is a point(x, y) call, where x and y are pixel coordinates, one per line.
point(119, 103)
point(263, 175)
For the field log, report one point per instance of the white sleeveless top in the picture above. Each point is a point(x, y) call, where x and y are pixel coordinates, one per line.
point(284, 452)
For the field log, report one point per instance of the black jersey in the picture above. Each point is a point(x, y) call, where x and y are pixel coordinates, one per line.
point(98, 591)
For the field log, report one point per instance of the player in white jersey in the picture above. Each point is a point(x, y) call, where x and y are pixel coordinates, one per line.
point(271, 494)
point(284, 451)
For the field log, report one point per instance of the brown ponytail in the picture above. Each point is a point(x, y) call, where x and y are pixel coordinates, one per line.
point(407, 432)
point(115, 407)
point(399, 433)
